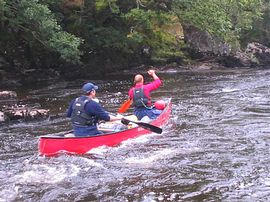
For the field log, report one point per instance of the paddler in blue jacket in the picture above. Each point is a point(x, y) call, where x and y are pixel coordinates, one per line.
point(85, 112)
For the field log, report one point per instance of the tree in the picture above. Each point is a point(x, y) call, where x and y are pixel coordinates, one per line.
point(260, 31)
point(30, 23)
point(226, 19)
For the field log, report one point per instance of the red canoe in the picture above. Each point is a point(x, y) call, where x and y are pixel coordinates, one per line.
point(51, 145)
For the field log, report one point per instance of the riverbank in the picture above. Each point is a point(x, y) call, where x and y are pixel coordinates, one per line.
point(255, 56)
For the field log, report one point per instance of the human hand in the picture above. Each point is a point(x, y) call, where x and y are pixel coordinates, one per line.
point(119, 116)
point(151, 72)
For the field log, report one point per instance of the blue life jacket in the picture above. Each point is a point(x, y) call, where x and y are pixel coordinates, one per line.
point(79, 116)
point(139, 98)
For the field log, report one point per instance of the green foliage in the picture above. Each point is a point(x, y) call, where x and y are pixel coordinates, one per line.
point(40, 16)
point(106, 28)
point(147, 28)
point(50, 32)
point(123, 27)
point(107, 38)
point(65, 44)
point(225, 19)
point(2, 6)
point(103, 4)
point(38, 25)
point(260, 31)
point(140, 19)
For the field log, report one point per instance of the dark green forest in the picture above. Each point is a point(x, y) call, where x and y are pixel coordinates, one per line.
point(108, 35)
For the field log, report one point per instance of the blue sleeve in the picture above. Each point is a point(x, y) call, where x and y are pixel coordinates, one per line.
point(70, 109)
point(93, 108)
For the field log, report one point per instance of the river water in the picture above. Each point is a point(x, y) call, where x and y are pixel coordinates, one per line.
point(214, 148)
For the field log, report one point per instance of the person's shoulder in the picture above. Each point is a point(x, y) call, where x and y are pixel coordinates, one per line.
point(131, 89)
point(93, 103)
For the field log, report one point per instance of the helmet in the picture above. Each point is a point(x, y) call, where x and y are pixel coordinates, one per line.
point(160, 104)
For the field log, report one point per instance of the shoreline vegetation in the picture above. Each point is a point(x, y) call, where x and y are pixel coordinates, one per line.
point(69, 39)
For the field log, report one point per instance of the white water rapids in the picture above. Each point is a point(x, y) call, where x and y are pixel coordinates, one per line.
point(215, 147)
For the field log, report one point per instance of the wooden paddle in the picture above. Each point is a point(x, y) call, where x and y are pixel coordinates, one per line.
point(125, 106)
point(146, 126)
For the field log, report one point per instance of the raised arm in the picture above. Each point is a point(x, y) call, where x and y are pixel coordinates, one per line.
point(152, 73)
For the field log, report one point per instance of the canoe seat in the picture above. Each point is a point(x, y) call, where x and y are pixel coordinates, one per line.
point(131, 117)
point(115, 126)
point(111, 127)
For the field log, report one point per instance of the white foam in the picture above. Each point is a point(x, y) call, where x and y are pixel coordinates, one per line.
point(153, 157)
point(98, 150)
point(228, 90)
point(8, 194)
point(267, 181)
point(91, 162)
point(47, 174)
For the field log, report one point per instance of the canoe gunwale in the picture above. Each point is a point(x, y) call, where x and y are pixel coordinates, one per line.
point(75, 137)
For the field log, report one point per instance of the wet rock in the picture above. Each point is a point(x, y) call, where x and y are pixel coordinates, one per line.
point(8, 98)
point(10, 110)
point(204, 43)
point(240, 59)
point(6, 95)
point(2, 117)
point(255, 55)
point(259, 53)
point(205, 46)
point(22, 112)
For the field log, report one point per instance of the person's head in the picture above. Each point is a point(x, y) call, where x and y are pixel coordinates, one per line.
point(138, 79)
point(90, 89)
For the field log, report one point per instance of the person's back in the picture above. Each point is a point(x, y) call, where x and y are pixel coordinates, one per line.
point(85, 113)
point(84, 118)
point(141, 95)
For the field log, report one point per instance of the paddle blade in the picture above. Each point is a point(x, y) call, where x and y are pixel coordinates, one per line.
point(125, 106)
point(150, 127)
point(146, 126)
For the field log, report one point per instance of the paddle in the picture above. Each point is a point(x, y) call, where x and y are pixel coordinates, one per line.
point(125, 106)
point(146, 126)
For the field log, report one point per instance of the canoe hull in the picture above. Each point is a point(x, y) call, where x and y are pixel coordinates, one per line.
point(52, 145)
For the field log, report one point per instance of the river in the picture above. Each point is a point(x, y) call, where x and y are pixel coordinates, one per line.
point(214, 148)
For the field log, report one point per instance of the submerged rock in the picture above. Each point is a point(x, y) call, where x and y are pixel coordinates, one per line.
point(2, 116)
point(6, 95)
point(10, 110)
point(23, 112)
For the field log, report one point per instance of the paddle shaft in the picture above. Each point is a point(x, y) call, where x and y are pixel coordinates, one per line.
point(147, 126)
